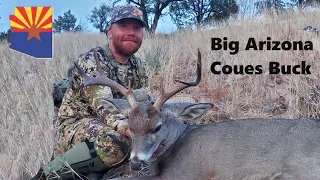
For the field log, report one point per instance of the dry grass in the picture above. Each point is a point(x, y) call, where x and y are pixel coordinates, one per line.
point(27, 107)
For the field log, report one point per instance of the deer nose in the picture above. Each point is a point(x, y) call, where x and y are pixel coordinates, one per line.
point(136, 164)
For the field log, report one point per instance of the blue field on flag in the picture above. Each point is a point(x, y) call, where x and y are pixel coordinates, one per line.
point(33, 47)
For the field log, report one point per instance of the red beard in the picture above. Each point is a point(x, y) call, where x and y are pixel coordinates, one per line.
point(127, 46)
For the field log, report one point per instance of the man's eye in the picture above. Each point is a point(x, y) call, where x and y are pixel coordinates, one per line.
point(138, 28)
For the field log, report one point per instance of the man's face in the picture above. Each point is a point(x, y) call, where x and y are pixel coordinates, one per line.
point(126, 36)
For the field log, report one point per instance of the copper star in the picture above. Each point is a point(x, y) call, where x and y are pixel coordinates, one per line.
point(33, 32)
point(137, 12)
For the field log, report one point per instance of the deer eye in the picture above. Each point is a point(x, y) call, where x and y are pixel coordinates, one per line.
point(157, 129)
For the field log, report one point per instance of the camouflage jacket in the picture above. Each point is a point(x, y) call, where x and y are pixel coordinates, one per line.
point(81, 103)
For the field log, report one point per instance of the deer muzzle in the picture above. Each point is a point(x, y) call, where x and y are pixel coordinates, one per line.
point(136, 164)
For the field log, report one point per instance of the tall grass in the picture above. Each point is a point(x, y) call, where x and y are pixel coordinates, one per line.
point(26, 83)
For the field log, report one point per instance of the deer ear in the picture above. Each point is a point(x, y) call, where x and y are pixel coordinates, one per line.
point(116, 106)
point(195, 110)
point(111, 107)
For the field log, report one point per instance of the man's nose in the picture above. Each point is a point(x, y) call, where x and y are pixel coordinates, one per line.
point(131, 31)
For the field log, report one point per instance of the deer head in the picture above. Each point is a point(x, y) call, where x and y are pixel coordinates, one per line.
point(150, 123)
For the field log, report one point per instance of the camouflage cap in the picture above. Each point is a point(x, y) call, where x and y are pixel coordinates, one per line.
point(124, 12)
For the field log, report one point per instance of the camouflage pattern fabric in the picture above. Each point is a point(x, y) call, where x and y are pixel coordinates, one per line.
point(127, 11)
point(81, 116)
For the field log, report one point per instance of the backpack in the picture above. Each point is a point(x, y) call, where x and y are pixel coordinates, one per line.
point(60, 88)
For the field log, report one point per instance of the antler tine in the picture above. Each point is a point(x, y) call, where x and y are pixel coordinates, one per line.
point(130, 96)
point(105, 81)
point(165, 96)
point(81, 72)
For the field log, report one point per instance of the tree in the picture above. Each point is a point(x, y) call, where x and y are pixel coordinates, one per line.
point(201, 12)
point(304, 3)
point(223, 9)
point(84, 24)
point(5, 36)
point(152, 11)
point(100, 17)
point(276, 6)
point(66, 23)
point(300, 4)
point(246, 9)
point(263, 6)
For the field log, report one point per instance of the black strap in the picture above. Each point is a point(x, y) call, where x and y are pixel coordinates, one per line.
point(92, 151)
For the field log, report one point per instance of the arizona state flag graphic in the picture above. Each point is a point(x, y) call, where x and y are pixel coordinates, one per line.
point(32, 31)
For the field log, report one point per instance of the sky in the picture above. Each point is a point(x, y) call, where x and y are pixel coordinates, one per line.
point(80, 8)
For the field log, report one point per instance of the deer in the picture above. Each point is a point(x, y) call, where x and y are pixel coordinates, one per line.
point(265, 148)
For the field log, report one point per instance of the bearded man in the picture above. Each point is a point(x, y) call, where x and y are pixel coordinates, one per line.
point(89, 138)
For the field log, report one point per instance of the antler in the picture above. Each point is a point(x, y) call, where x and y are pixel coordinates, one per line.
point(105, 81)
point(165, 96)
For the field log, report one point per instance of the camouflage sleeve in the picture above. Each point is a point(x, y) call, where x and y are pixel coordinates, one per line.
point(91, 94)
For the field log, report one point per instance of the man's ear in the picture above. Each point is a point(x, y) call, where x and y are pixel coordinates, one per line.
point(109, 32)
point(196, 110)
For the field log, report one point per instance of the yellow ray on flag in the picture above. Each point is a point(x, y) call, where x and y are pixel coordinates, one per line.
point(16, 25)
point(47, 26)
point(20, 17)
point(39, 10)
point(48, 14)
point(29, 14)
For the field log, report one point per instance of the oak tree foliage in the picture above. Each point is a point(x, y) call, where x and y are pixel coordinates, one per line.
point(66, 23)
point(100, 16)
point(152, 11)
point(201, 12)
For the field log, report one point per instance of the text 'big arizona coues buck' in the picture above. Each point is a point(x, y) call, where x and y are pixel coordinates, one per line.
point(235, 149)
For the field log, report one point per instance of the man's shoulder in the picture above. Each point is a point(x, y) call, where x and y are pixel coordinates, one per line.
point(96, 52)
point(137, 61)
point(89, 59)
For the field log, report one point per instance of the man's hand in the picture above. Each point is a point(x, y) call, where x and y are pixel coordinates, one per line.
point(118, 122)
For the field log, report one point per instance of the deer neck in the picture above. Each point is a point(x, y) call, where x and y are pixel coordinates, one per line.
point(174, 131)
